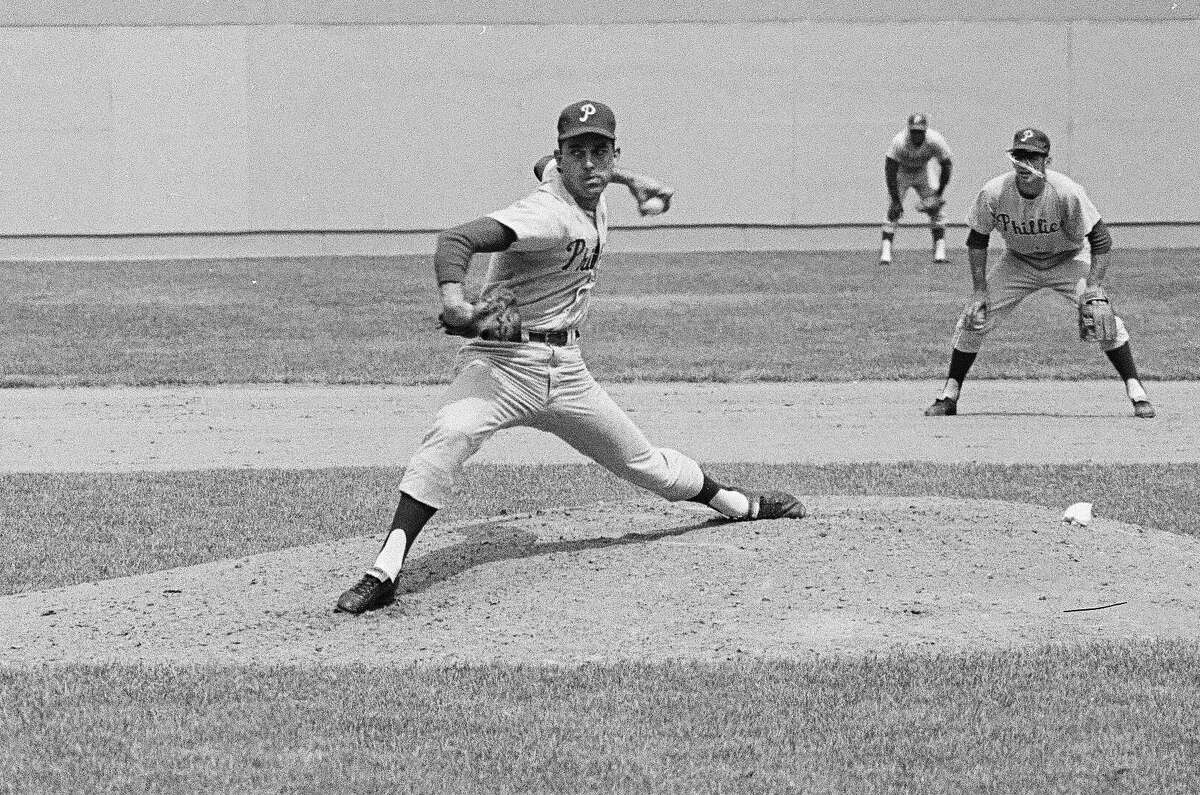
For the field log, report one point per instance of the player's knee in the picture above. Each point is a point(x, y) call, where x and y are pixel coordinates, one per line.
point(456, 438)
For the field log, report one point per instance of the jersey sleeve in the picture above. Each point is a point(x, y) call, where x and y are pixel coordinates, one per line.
point(893, 150)
point(980, 216)
point(1082, 215)
point(941, 149)
point(533, 221)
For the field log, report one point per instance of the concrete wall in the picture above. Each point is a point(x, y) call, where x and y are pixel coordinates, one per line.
point(250, 117)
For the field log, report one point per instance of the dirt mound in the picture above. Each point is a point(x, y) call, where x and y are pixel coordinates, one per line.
point(647, 581)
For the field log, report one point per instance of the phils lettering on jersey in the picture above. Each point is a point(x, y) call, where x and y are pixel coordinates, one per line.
point(1033, 226)
point(581, 259)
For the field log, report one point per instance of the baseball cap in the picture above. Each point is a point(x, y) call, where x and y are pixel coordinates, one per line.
point(587, 116)
point(1028, 139)
point(917, 121)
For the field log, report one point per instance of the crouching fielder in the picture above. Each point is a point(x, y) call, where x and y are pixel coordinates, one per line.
point(1054, 240)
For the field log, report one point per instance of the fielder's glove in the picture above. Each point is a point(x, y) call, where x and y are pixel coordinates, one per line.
point(930, 205)
point(976, 314)
point(494, 318)
point(1097, 323)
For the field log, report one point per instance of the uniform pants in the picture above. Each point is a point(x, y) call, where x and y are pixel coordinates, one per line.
point(1011, 281)
point(502, 385)
point(918, 181)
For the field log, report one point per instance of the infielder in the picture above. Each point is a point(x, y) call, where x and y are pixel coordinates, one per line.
point(1045, 218)
point(906, 167)
point(523, 364)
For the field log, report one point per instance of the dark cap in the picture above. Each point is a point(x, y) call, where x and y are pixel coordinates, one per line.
point(918, 121)
point(587, 116)
point(1030, 140)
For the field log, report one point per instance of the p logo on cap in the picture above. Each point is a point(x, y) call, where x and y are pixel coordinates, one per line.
point(1029, 139)
point(587, 116)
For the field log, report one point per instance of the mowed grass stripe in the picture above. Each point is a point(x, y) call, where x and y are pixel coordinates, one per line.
point(711, 316)
point(62, 529)
point(1099, 717)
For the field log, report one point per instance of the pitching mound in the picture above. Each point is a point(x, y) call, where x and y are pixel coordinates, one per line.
point(647, 581)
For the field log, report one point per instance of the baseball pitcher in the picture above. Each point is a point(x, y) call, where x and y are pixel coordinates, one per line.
point(905, 168)
point(522, 364)
point(1054, 240)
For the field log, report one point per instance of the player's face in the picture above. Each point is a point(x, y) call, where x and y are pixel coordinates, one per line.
point(1029, 183)
point(916, 137)
point(585, 164)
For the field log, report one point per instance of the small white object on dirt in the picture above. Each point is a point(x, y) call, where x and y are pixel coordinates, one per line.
point(1080, 513)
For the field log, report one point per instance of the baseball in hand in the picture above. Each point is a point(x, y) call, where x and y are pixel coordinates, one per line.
point(652, 206)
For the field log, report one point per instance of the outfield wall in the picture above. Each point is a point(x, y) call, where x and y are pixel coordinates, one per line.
point(361, 122)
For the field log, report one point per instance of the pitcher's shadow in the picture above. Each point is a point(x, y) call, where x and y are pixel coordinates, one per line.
point(491, 543)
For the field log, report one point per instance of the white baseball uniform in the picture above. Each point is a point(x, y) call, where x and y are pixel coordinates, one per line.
point(913, 173)
point(551, 269)
point(1046, 247)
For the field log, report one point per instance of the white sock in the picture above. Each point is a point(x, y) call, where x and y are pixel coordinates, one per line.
point(1133, 388)
point(951, 389)
point(885, 250)
point(391, 557)
point(728, 502)
point(939, 249)
point(379, 574)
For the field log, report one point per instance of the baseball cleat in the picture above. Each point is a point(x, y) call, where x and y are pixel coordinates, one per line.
point(367, 594)
point(1143, 409)
point(774, 505)
point(942, 407)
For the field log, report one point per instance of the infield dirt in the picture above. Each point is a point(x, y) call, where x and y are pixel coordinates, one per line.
point(644, 580)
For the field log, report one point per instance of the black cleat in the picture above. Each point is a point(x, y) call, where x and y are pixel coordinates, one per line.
point(1143, 409)
point(774, 505)
point(367, 594)
point(942, 407)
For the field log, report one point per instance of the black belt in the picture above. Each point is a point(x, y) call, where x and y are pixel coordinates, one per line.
point(552, 337)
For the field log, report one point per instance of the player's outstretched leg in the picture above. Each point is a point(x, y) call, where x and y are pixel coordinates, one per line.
point(947, 404)
point(1122, 359)
point(744, 505)
point(377, 586)
point(887, 233)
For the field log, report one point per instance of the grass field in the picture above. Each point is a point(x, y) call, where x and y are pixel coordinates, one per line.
point(1104, 717)
point(1112, 718)
point(689, 317)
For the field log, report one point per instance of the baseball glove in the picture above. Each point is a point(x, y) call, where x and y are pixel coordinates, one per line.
point(495, 318)
point(1097, 323)
point(976, 314)
point(930, 205)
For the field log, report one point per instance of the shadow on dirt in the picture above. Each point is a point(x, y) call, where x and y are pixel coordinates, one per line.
point(503, 541)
